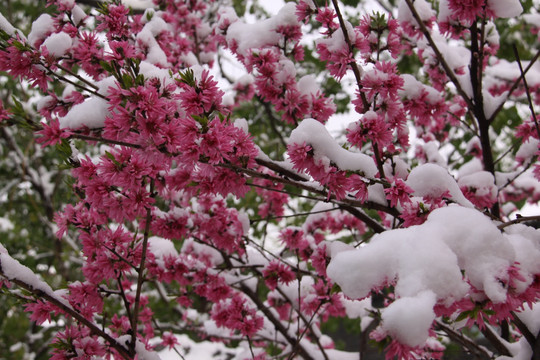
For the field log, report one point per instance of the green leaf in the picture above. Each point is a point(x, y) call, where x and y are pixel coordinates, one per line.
point(113, 159)
point(464, 315)
point(188, 77)
point(127, 81)
point(106, 66)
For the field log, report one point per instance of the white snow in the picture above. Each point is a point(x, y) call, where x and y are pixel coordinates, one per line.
point(6, 224)
point(408, 319)
point(422, 7)
point(413, 89)
point(191, 350)
point(77, 14)
point(58, 44)
point(40, 28)
point(527, 150)
point(8, 28)
point(482, 181)
point(146, 39)
point(491, 103)
point(150, 70)
point(505, 8)
point(14, 270)
point(261, 34)
point(444, 11)
point(531, 318)
point(526, 243)
point(139, 4)
point(161, 247)
point(433, 156)
point(90, 113)
point(140, 348)
point(532, 19)
point(433, 181)
point(326, 148)
point(426, 262)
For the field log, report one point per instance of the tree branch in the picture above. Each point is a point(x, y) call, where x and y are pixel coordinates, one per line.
point(514, 86)
point(449, 72)
point(94, 329)
point(527, 90)
point(469, 344)
point(140, 278)
point(520, 219)
point(495, 341)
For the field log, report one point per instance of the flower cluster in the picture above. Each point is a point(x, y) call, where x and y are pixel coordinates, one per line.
point(181, 222)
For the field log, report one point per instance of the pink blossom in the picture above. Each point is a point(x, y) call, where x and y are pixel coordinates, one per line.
point(52, 134)
point(326, 16)
point(4, 113)
point(202, 97)
point(277, 272)
point(398, 192)
point(338, 60)
point(294, 239)
point(169, 340)
point(303, 11)
point(236, 315)
point(115, 21)
point(41, 311)
point(467, 10)
point(382, 80)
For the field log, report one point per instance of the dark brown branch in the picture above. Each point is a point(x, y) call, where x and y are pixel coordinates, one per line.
point(349, 201)
point(104, 140)
point(531, 339)
point(281, 170)
point(495, 341)
point(467, 343)
point(375, 226)
point(475, 72)
point(520, 219)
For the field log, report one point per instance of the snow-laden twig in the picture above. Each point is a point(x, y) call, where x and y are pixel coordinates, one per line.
point(23, 277)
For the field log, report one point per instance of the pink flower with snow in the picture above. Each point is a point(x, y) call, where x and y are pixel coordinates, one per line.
point(169, 340)
point(468, 10)
point(115, 21)
point(202, 97)
point(326, 16)
point(398, 192)
point(382, 80)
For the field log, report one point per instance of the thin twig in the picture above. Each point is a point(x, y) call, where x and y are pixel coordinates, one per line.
point(449, 72)
point(514, 86)
point(353, 64)
point(104, 140)
point(93, 86)
point(140, 278)
point(94, 329)
point(518, 220)
point(527, 91)
point(495, 341)
point(293, 215)
point(469, 344)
